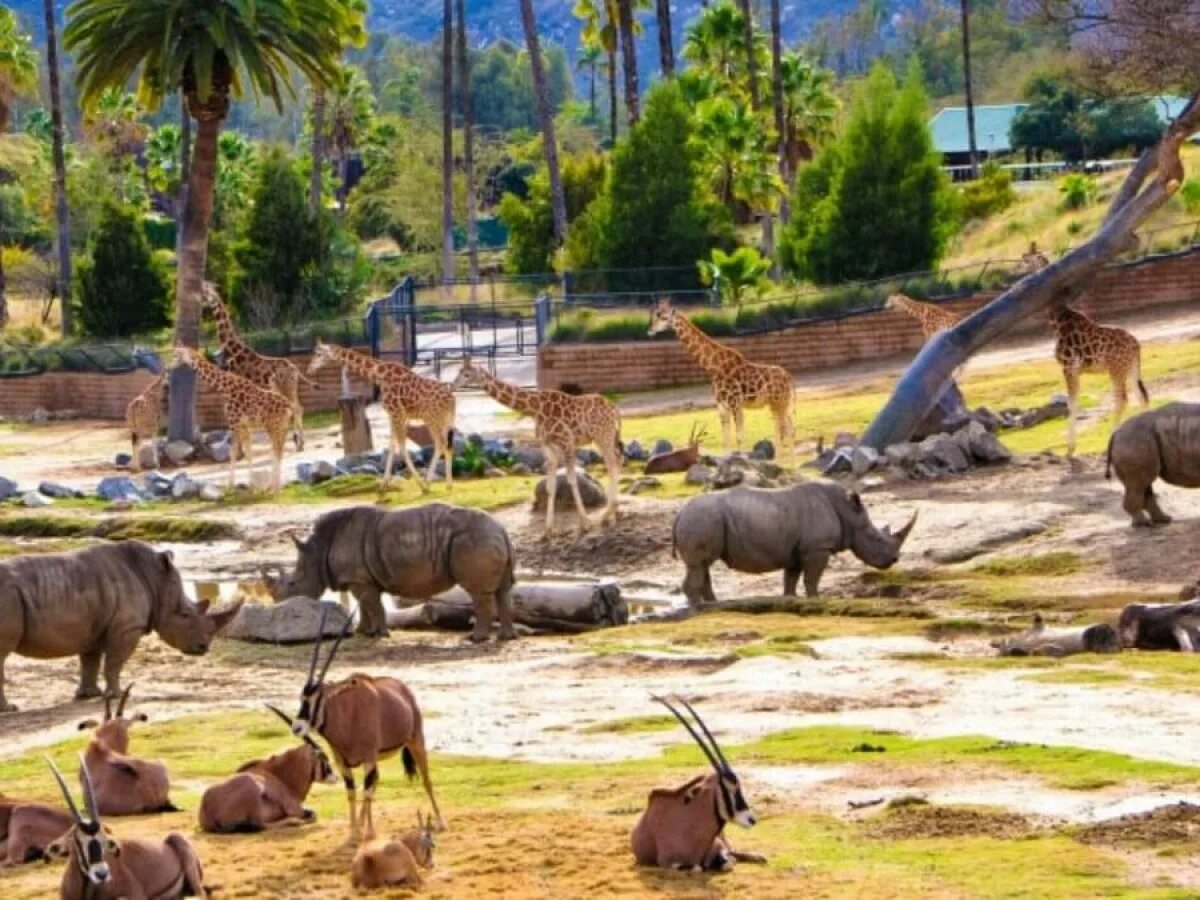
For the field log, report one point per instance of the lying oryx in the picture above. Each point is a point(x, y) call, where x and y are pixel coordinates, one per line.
point(395, 862)
point(1058, 642)
point(26, 829)
point(101, 868)
point(267, 793)
point(681, 828)
point(125, 786)
point(1161, 626)
point(363, 719)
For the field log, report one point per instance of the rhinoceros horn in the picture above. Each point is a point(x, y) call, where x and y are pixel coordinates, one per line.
point(902, 535)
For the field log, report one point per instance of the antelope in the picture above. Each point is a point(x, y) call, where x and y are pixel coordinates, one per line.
point(398, 861)
point(681, 828)
point(126, 786)
point(682, 459)
point(26, 829)
point(267, 794)
point(363, 719)
point(99, 867)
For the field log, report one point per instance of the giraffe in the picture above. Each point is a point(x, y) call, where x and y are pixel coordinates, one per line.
point(738, 384)
point(1033, 260)
point(143, 415)
point(563, 423)
point(931, 318)
point(1083, 346)
point(238, 357)
point(246, 405)
point(405, 395)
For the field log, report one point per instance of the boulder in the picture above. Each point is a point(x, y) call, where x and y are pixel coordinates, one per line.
point(764, 449)
point(984, 446)
point(698, 474)
point(903, 456)
point(588, 457)
point(863, 460)
point(590, 492)
point(8, 489)
point(635, 452)
point(942, 450)
point(157, 484)
point(304, 472)
point(645, 483)
point(221, 451)
point(34, 500)
point(735, 470)
point(661, 446)
point(210, 492)
point(324, 471)
point(38, 417)
point(146, 457)
point(123, 460)
point(949, 414)
point(179, 452)
point(520, 469)
point(838, 462)
point(59, 491)
point(845, 439)
point(119, 487)
point(530, 455)
point(293, 621)
point(184, 487)
point(493, 472)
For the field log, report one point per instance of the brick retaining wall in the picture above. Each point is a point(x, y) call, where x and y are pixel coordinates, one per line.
point(881, 334)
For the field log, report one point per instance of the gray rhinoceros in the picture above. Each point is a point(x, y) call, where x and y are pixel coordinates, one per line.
point(413, 553)
point(795, 529)
point(97, 603)
point(1159, 443)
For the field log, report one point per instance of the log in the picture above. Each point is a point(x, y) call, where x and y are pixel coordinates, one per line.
point(565, 607)
point(356, 431)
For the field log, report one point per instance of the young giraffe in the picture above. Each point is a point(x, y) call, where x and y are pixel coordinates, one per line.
point(246, 405)
point(143, 415)
point(240, 358)
point(405, 395)
point(563, 423)
point(1084, 346)
point(1034, 260)
point(738, 384)
point(931, 318)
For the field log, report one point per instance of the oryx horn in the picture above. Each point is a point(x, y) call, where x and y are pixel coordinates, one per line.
point(336, 644)
point(712, 740)
point(692, 731)
point(66, 791)
point(107, 707)
point(124, 697)
point(288, 721)
point(312, 664)
point(89, 791)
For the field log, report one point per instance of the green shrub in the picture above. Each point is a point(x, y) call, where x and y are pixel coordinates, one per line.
point(735, 273)
point(160, 232)
point(1189, 196)
point(1078, 190)
point(991, 193)
point(120, 288)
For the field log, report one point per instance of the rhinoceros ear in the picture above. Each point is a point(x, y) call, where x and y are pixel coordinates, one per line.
point(167, 558)
point(299, 543)
point(856, 501)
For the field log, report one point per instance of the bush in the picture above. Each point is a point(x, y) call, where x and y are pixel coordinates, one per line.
point(991, 193)
point(1189, 196)
point(530, 222)
point(160, 232)
point(735, 273)
point(1078, 190)
point(120, 288)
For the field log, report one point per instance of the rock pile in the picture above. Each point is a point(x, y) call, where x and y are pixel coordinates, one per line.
point(935, 456)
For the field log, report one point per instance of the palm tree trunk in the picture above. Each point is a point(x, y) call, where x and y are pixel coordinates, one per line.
point(447, 147)
point(612, 96)
point(592, 92)
point(666, 47)
point(468, 111)
point(185, 165)
point(3, 281)
point(628, 59)
point(343, 161)
point(785, 203)
point(317, 175)
point(62, 212)
point(751, 62)
point(197, 214)
point(541, 93)
point(966, 43)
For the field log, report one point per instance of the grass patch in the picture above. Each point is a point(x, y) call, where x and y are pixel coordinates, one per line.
point(165, 529)
point(481, 493)
point(952, 628)
point(1062, 562)
point(632, 725)
point(1080, 676)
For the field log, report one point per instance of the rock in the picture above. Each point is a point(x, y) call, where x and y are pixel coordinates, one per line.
point(365, 469)
point(903, 456)
point(8, 489)
point(497, 451)
point(982, 445)
point(590, 492)
point(184, 487)
point(119, 487)
point(493, 472)
point(295, 620)
point(147, 459)
point(324, 471)
point(34, 500)
point(123, 460)
point(645, 483)
point(764, 449)
point(944, 451)
point(59, 491)
point(210, 492)
point(735, 470)
point(221, 452)
point(635, 452)
point(1058, 400)
point(157, 484)
point(458, 443)
point(863, 460)
point(588, 457)
point(823, 459)
point(179, 452)
point(209, 438)
point(530, 455)
point(661, 446)
point(845, 439)
point(304, 472)
point(38, 417)
point(520, 469)
point(839, 461)
point(767, 469)
point(698, 474)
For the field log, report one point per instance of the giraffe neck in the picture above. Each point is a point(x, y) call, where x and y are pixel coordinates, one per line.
point(358, 363)
point(915, 308)
point(712, 356)
point(227, 332)
point(212, 376)
point(519, 399)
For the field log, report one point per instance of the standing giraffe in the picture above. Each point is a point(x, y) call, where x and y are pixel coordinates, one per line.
point(737, 383)
point(1084, 346)
point(1033, 260)
point(563, 423)
point(405, 395)
point(143, 415)
point(246, 405)
point(240, 358)
point(931, 318)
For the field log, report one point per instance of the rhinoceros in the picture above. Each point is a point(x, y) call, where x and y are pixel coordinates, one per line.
point(1159, 443)
point(1161, 626)
point(97, 603)
point(795, 529)
point(413, 553)
point(1042, 641)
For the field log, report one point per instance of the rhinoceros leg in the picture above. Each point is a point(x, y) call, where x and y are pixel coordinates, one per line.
point(697, 585)
point(1157, 516)
point(373, 620)
point(814, 568)
point(1135, 502)
point(504, 602)
point(89, 674)
point(116, 653)
point(485, 608)
point(5, 706)
point(791, 577)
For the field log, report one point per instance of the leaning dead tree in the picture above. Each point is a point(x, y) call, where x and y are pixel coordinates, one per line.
point(1118, 37)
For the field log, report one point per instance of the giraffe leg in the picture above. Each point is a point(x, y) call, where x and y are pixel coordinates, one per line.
point(389, 458)
point(739, 424)
point(402, 439)
point(248, 450)
point(785, 433)
point(136, 463)
point(298, 413)
point(278, 439)
point(726, 428)
point(574, 483)
point(612, 462)
point(1071, 376)
point(551, 487)
point(1120, 395)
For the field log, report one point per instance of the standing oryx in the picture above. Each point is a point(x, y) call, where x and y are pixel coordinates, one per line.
point(363, 719)
point(100, 868)
point(125, 785)
point(681, 828)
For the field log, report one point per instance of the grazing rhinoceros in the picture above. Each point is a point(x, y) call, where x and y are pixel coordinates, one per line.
point(795, 528)
point(413, 553)
point(1161, 626)
point(1042, 641)
point(97, 603)
point(1159, 443)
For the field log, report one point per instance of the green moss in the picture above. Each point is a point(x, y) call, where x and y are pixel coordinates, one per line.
point(632, 725)
point(1061, 562)
point(167, 529)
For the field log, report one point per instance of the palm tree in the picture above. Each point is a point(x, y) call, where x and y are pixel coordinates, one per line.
point(625, 26)
point(447, 147)
point(716, 40)
point(541, 94)
point(600, 31)
point(785, 209)
point(212, 50)
point(468, 112)
point(666, 46)
point(748, 47)
point(809, 110)
point(18, 75)
point(350, 106)
point(316, 175)
point(62, 213)
point(733, 145)
point(966, 50)
point(590, 58)
point(113, 124)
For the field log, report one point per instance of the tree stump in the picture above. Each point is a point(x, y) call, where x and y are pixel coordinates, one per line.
point(356, 431)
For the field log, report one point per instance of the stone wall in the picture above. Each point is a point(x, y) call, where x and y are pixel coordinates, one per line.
point(856, 337)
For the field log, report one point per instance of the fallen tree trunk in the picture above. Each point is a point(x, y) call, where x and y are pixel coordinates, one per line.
point(546, 606)
point(1060, 282)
